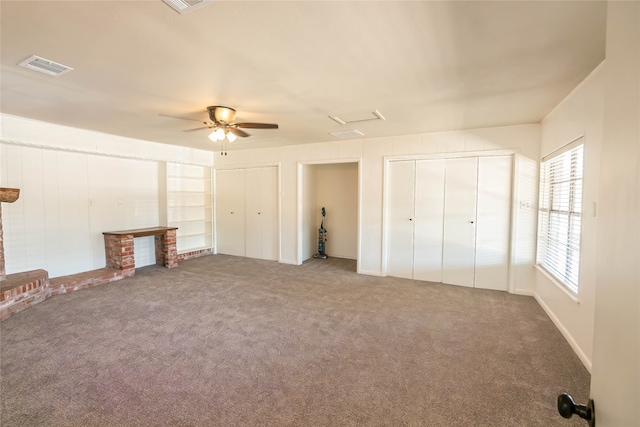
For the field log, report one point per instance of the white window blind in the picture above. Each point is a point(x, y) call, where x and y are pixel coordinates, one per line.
point(560, 212)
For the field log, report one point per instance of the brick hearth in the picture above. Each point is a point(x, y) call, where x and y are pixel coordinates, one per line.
point(20, 291)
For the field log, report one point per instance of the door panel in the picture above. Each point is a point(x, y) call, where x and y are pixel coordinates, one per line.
point(494, 223)
point(230, 212)
point(269, 214)
point(262, 213)
point(429, 221)
point(401, 217)
point(253, 199)
point(458, 256)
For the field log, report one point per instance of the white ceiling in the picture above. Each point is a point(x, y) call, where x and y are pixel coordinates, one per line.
point(425, 65)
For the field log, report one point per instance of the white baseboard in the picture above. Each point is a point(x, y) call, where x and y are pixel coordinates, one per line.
point(288, 261)
point(525, 292)
point(574, 345)
point(370, 273)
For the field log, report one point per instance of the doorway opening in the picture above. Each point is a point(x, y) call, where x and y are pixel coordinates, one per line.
point(336, 187)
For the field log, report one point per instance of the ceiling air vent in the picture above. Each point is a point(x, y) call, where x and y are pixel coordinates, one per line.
point(184, 6)
point(347, 134)
point(45, 66)
point(363, 116)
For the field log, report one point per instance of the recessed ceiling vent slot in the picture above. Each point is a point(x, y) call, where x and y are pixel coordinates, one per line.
point(45, 66)
point(185, 6)
point(363, 116)
point(347, 134)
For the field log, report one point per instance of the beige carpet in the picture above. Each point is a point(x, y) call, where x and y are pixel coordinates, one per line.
point(227, 341)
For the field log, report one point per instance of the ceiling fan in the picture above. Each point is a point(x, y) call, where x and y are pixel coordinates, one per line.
point(221, 121)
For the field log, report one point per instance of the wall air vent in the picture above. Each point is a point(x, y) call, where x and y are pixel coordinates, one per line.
point(347, 134)
point(45, 66)
point(363, 116)
point(185, 6)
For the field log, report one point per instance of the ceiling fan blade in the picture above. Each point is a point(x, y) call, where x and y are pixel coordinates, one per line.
point(238, 132)
point(257, 125)
point(191, 130)
point(182, 118)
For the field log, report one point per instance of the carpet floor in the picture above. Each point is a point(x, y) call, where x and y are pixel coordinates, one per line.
point(229, 341)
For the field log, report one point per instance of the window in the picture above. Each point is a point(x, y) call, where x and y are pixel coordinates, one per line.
point(560, 213)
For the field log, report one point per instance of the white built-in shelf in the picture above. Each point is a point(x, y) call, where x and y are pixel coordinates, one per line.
point(190, 205)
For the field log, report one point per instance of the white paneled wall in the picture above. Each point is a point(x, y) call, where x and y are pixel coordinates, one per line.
point(123, 194)
point(66, 201)
point(523, 140)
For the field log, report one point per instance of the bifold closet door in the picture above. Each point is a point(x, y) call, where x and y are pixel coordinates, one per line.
point(230, 211)
point(450, 220)
point(429, 220)
point(494, 223)
point(261, 213)
point(401, 218)
point(459, 239)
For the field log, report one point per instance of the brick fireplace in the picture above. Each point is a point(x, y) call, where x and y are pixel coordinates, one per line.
point(18, 291)
point(7, 195)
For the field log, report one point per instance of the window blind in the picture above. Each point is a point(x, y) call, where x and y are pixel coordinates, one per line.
point(559, 217)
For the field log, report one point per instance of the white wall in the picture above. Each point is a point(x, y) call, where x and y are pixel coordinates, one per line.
point(76, 184)
point(522, 140)
point(615, 381)
point(580, 114)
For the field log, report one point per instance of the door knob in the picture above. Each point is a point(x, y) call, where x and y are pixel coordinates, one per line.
point(567, 407)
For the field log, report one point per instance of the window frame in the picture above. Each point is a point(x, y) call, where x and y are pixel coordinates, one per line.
point(560, 229)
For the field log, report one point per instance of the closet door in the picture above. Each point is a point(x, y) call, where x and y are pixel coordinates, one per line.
point(459, 244)
point(494, 223)
point(401, 219)
point(230, 211)
point(261, 213)
point(429, 220)
point(269, 214)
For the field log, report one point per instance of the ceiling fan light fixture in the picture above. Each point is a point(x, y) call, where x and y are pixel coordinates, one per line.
point(213, 137)
point(219, 134)
point(231, 137)
point(222, 114)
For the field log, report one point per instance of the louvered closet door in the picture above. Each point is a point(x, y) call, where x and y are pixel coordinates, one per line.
point(401, 219)
point(429, 221)
point(230, 212)
point(459, 244)
point(494, 223)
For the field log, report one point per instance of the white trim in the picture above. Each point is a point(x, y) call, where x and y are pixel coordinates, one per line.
point(574, 345)
point(545, 193)
point(371, 273)
point(524, 292)
point(300, 198)
point(513, 230)
point(99, 153)
point(35, 133)
point(247, 166)
point(566, 147)
point(558, 284)
point(451, 155)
